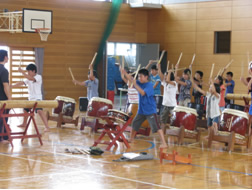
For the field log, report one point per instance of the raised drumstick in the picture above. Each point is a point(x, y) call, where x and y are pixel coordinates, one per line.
point(71, 74)
point(229, 64)
point(168, 63)
point(179, 58)
point(161, 57)
point(192, 60)
point(139, 66)
point(94, 58)
point(211, 74)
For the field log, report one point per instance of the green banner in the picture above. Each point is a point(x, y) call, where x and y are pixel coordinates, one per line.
point(115, 9)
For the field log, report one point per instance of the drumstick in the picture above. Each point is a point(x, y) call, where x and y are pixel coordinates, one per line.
point(136, 74)
point(172, 67)
point(71, 74)
point(94, 58)
point(211, 74)
point(179, 58)
point(161, 57)
point(192, 60)
point(167, 68)
point(229, 64)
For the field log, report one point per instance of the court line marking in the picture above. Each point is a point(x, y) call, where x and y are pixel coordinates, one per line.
point(92, 172)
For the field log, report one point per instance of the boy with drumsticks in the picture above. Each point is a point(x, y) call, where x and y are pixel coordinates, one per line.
point(147, 105)
point(33, 82)
point(154, 77)
point(92, 83)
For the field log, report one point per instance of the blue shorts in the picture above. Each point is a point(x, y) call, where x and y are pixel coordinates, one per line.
point(210, 121)
point(250, 109)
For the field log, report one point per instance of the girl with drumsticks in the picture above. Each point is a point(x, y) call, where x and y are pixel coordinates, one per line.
point(212, 108)
point(92, 83)
point(169, 97)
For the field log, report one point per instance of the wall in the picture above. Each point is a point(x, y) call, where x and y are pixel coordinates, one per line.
point(189, 28)
point(78, 26)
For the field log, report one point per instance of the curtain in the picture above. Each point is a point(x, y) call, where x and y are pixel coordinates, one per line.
point(39, 61)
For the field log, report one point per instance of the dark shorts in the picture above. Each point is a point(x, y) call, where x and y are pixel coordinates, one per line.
point(165, 113)
point(152, 119)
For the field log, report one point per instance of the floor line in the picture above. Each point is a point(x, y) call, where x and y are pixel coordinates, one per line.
point(92, 172)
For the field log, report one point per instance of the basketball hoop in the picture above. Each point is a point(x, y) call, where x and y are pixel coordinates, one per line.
point(43, 32)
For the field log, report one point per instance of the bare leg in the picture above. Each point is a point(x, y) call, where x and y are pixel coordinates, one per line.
point(24, 121)
point(163, 127)
point(44, 119)
point(215, 128)
point(161, 134)
point(132, 135)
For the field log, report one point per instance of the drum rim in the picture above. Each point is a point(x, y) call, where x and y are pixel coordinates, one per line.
point(98, 99)
point(191, 110)
point(66, 99)
point(235, 112)
point(114, 110)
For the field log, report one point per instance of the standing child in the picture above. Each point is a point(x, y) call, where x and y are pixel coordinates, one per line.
point(34, 83)
point(219, 81)
point(154, 78)
point(198, 81)
point(185, 82)
point(4, 89)
point(229, 84)
point(147, 105)
point(92, 83)
point(212, 109)
point(169, 97)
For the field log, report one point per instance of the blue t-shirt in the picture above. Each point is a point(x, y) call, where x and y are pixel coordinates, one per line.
point(153, 80)
point(147, 103)
point(92, 88)
point(230, 89)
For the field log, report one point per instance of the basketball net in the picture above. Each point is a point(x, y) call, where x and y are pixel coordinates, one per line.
point(43, 32)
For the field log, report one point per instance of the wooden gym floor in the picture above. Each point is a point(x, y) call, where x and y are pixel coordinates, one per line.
point(30, 165)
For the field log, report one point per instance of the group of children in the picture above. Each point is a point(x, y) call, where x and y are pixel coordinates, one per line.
point(141, 91)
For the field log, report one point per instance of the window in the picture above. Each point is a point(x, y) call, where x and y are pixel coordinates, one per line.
point(222, 42)
point(20, 57)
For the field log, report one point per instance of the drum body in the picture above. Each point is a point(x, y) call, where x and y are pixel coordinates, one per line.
point(119, 116)
point(66, 106)
point(199, 108)
point(98, 107)
point(159, 101)
point(184, 116)
point(133, 110)
point(234, 120)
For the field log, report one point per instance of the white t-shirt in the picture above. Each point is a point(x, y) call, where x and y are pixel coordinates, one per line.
point(169, 97)
point(34, 88)
point(212, 108)
point(133, 96)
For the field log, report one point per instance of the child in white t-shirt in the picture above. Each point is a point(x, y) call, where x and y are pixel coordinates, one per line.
point(169, 96)
point(33, 82)
point(212, 108)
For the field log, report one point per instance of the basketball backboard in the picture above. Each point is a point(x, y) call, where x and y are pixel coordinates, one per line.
point(35, 18)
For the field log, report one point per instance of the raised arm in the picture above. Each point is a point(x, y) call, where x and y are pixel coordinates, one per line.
point(18, 84)
point(161, 75)
point(244, 81)
point(122, 76)
point(198, 88)
point(91, 74)
point(150, 63)
point(79, 83)
point(26, 75)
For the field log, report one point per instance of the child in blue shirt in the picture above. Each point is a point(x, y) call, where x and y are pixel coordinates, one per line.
point(229, 84)
point(146, 107)
point(155, 80)
point(92, 83)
